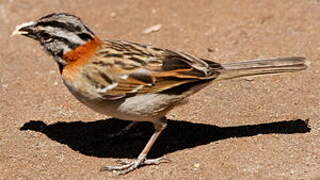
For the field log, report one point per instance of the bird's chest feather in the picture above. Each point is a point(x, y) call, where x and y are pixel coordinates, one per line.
point(78, 58)
point(76, 63)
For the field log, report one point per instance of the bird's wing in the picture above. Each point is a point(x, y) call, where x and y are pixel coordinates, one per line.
point(121, 69)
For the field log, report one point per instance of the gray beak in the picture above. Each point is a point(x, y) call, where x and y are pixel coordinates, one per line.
point(25, 29)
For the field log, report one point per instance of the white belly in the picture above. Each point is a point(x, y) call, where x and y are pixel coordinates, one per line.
point(144, 107)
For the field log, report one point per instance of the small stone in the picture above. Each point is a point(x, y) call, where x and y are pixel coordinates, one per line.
point(250, 78)
point(151, 29)
point(211, 49)
point(113, 14)
point(197, 165)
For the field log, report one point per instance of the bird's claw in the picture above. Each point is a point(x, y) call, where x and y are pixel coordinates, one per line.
point(128, 166)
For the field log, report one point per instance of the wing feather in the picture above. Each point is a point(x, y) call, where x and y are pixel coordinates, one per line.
point(124, 68)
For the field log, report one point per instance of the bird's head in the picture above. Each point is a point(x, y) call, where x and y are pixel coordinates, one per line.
point(58, 33)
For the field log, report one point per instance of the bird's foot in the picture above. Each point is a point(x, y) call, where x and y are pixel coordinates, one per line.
point(128, 166)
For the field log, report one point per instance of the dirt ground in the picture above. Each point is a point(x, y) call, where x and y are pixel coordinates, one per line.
point(261, 128)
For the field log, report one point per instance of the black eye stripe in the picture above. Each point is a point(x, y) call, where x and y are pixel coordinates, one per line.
point(67, 26)
point(45, 35)
point(85, 36)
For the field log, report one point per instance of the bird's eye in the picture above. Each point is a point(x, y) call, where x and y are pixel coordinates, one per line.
point(45, 36)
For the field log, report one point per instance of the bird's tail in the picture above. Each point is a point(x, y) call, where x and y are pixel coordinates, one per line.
point(261, 67)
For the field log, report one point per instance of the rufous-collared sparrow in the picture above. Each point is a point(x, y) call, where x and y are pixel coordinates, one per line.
point(132, 81)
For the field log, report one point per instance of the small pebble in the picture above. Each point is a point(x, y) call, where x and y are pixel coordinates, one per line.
point(249, 78)
point(151, 29)
point(113, 14)
point(211, 50)
point(197, 165)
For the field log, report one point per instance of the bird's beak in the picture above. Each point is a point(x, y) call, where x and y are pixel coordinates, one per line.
point(24, 29)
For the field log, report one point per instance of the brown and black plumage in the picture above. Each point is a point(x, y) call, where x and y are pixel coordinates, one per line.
point(132, 81)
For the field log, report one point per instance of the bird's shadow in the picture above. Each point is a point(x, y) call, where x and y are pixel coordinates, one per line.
point(83, 136)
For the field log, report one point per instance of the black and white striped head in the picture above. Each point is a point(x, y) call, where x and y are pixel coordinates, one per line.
point(58, 33)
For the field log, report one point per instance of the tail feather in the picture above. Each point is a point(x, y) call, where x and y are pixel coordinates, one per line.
point(261, 67)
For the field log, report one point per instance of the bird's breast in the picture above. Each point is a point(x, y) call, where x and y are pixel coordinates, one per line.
point(79, 57)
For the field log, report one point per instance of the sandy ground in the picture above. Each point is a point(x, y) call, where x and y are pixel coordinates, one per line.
point(261, 128)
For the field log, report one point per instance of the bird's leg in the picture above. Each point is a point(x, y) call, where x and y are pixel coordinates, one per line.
point(126, 167)
point(111, 138)
point(123, 131)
